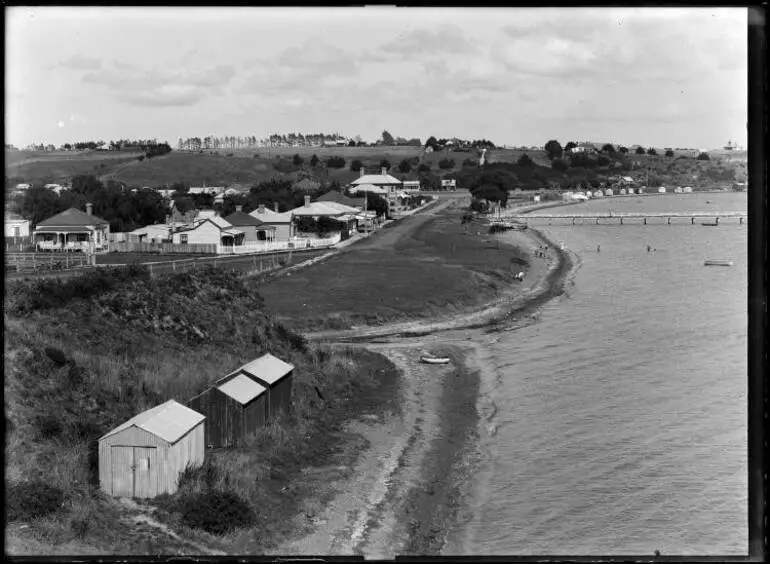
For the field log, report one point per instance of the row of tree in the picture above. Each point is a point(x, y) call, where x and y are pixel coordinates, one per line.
point(441, 144)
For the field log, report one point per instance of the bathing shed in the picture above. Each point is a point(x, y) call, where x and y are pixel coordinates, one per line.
point(275, 375)
point(144, 456)
point(234, 406)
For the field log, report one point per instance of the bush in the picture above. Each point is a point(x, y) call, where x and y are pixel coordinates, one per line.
point(385, 163)
point(140, 158)
point(29, 500)
point(404, 166)
point(314, 160)
point(356, 165)
point(297, 160)
point(285, 166)
point(215, 512)
point(525, 160)
point(704, 157)
point(446, 163)
point(423, 168)
point(559, 164)
point(335, 162)
point(470, 162)
point(603, 160)
point(669, 153)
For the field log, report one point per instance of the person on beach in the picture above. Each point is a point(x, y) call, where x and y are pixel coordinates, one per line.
point(648, 248)
point(598, 248)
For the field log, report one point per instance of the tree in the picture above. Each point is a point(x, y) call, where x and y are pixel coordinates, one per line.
point(525, 160)
point(554, 150)
point(608, 148)
point(387, 138)
point(569, 146)
point(356, 165)
point(623, 149)
point(424, 167)
point(559, 164)
point(297, 160)
point(704, 157)
point(603, 160)
point(470, 162)
point(639, 150)
point(433, 143)
point(669, 153)
point(335, 162)
point(652, 151)
point(446, 163)
point(404, 166)
point(351, 143)
point(314, 160)
point(385, 163)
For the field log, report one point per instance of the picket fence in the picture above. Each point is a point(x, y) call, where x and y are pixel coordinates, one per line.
point(163, 248)
point(272, 246)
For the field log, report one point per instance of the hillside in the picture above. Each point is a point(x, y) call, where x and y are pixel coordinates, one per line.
point(126, 343)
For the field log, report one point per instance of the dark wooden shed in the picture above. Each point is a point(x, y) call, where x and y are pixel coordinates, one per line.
point(235, 406)
point(275, 375)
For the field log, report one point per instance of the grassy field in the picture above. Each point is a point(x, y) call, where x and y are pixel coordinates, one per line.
point(129, 344)
point(422, 266)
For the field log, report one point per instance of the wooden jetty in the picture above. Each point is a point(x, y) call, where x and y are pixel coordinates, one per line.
point(630, 217)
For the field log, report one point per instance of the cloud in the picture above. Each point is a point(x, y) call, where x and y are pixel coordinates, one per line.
point(446, 40)
point(161, 87)
point(79, 62)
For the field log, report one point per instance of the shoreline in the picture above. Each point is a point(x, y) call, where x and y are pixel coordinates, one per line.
point(408, 490)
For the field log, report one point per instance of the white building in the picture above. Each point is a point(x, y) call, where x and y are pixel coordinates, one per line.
point(16, 226)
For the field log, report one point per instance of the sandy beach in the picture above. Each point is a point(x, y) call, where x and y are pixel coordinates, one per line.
point(404, 493)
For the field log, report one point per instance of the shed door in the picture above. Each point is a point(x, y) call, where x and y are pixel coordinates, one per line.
point(122, 471)
point(145, 472)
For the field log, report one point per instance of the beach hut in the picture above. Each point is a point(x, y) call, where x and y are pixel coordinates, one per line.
point(144, 456)
point(608, 192)
point(598, 194)
point(687, 189)
point(275, 375)
point(234, 407)
point(630, 190)
point(622, 191)
point(662, 190)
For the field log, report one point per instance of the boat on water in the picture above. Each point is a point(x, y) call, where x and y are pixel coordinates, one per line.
point(718, 262)
point(704, 224)
point(430, 359)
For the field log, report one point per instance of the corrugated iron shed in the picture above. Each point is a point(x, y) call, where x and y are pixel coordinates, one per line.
point(242, 389)
point(170, 421)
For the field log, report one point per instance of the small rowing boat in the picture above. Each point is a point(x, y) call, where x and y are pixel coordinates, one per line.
point(717, 262)
point(429, 359)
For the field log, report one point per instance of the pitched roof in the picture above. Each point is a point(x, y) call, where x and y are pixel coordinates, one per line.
point(219, 222)
point(369, 188)
point(267, 368)
point(316, 208)
point(240, 218)
point(342, 207)
point(242, 389)
point(339, 198)
point(73, 217)
point(170, 421)
point(376, 179)
point(270, 216)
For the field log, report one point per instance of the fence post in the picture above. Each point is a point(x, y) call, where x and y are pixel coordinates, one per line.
point(173, 266)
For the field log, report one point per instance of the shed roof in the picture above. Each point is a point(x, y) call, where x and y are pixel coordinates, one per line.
point(170, 421)
point(72, 217)
point(342, 207)
point(242, 389)
point(316, 208)
point(267, 368)
point(270, 216)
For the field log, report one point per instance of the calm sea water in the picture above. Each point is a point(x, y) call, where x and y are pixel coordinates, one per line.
point(621, 415)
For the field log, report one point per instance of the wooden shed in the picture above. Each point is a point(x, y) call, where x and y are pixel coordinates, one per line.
point(234, 407)
point(275, 375)
point(144, 456)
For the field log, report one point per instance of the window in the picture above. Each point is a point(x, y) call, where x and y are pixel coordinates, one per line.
point(261, 236)
point(183, 239)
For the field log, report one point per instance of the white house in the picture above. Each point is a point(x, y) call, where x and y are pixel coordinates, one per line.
point(411, 185)
point(16, 226)
point(73, 230)
point(662, 190)
point(210, 231)
point(608, 192)
point(282, 222)
point(391, 185)
point(205, 190)
point(151, 233)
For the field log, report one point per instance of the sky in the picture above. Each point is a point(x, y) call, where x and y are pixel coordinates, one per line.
point(666, 77)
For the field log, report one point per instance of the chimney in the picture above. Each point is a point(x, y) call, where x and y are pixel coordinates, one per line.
point(89, 208)
point(362, 172)
point(307, 201)
point(275, 206)
point(384, 171)
point(238, 208)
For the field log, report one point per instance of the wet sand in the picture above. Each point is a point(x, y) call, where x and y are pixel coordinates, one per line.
point(405, 494)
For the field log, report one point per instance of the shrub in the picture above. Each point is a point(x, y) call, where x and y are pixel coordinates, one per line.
point(704, 157)
point(470, 162)
point(669, 153)
point(140, 158)
point(297, 160)
point(639, 150)
point(404, 166)
point(215, 512)
point(314, 160)
point(423, 168)
point(525, 160)
point(29, 500)
point(385, 163)
point(335, 162)
point(446, 163)
point(356, 165)
point(603, 160)
point(559, 164)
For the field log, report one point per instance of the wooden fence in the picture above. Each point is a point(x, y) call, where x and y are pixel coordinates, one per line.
point(42, 262)
point(163, 248)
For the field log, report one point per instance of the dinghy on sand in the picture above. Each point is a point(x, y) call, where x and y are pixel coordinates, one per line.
point(430, 359)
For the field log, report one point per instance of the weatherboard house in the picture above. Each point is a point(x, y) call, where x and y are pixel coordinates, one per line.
point(144, 456)
point(73, 230)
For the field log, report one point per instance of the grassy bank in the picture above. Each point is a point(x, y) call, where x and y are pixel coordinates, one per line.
point(126, 343)
point(427, 266)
